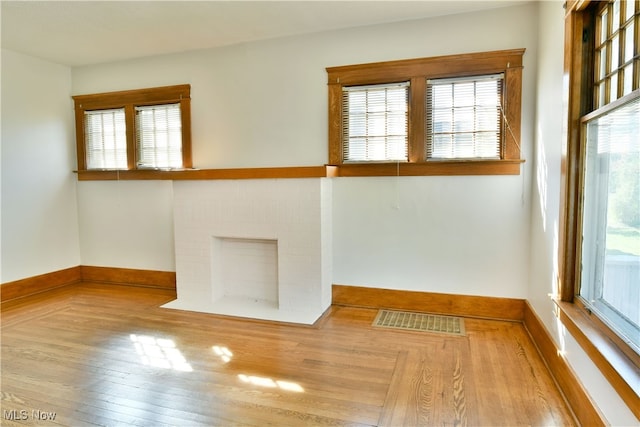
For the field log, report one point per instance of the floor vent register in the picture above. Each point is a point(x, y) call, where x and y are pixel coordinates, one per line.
point(413, 321)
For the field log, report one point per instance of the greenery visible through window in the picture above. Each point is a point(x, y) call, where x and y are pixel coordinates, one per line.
point(436, 113)
point(136, 129)
point(611, 219)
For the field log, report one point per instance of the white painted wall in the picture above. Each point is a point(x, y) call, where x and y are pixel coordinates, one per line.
point(460, 235)
point(545, 214)
point(265, 104)
point(127, 224)
point(39, 214)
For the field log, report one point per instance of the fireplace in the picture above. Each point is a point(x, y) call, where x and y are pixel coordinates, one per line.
point(254, 248)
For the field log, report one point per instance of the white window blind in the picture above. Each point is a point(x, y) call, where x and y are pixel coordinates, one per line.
point(159, 136)
point(464, 117)
point(106, 139)
point(375, 122)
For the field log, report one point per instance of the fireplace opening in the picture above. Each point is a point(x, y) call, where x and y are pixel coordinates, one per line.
point(245, 270)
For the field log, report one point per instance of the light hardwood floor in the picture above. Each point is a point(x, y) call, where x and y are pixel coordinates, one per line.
point(98, 354)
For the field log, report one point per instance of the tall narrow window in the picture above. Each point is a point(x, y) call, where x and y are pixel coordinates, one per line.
point(464, 118)
point(106, 139)
point(611, 219)
point(609, 281)
point(599, 251)
point(375, 122)
point(159, 136)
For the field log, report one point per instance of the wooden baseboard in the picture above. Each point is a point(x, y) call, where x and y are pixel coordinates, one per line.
point(41, 283)
point(458, 305)
point(128, 276)
point(121, 276)
point(584, 409)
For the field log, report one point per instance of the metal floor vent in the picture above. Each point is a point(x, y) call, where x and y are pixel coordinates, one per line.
point(412, 321)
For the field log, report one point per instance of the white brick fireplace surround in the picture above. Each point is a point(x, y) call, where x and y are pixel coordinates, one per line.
point(256, 248)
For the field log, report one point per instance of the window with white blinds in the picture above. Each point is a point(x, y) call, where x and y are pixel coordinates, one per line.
point(375, 122)
point(159, 136)
point(106, 139)
point(133, 129)
point(464, 118)
point(445, 115)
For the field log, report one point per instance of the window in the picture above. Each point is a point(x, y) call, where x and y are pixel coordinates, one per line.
point(610, 279)
point(375, 122)
point(159, 136)
point(464, 118)
point(599, 253)
point(106, 139)
point(457, 114)
point(137, 129)
point(607, 255)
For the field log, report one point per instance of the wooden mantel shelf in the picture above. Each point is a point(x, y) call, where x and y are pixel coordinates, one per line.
point(208, 174)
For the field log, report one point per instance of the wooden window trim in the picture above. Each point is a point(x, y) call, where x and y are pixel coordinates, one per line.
point(615, 359)
point(129, 99)
point(417, 71)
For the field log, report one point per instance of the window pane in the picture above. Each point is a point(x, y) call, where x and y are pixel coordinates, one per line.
point(604, 27)
point(601, 94)
point(613, 87)
point(603, 62)
point(442, 146)
point(159, 136)
point(615, 52)
point(375, 122)
point(464, 117)
point(628, 79)
point(611, 221)
point(615, 22)
point(629, 9)
point(443, 96)
point(105, 139)
point(629, 42)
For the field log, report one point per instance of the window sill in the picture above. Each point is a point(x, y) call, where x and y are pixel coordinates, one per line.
point(616, 360)
point(457, 167)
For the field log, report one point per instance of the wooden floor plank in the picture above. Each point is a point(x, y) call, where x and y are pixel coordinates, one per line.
point(98, 354)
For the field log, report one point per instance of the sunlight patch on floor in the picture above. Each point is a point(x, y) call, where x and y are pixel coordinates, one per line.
point(223, 353)
point(160, 353)
point(269, 383)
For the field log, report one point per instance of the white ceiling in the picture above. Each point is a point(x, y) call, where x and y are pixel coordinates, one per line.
point(77, 33)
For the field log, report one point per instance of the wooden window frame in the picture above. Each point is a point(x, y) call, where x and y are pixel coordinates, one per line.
point(129, 99)
point(616, 359)
point(417, 71)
